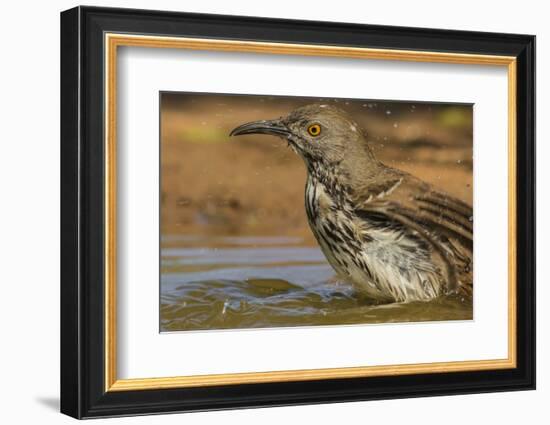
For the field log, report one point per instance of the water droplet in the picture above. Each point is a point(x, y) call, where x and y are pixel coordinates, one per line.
point(459, 161)
point(395, 125)
point(388, 112)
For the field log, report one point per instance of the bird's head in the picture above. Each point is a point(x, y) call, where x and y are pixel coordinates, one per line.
point(318, 133)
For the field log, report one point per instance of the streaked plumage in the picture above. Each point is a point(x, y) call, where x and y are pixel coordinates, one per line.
point(395, 237)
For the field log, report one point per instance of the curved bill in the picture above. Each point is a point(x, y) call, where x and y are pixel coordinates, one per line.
point(274, 127)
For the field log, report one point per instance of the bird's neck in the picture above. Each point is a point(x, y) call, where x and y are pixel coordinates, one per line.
point(333, 180)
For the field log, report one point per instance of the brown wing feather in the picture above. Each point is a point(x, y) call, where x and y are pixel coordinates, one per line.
point(444, 222)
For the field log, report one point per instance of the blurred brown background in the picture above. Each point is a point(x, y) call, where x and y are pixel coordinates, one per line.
point(212, 184)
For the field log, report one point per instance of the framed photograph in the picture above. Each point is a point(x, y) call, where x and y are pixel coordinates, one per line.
point(261, 212)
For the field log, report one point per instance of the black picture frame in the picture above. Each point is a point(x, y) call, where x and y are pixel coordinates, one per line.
point(83, 392)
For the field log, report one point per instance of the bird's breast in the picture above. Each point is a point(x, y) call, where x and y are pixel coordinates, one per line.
point(332, 223)
point(318, 202)
point(383, 261)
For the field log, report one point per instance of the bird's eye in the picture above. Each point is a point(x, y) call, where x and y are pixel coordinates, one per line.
point(314, 130)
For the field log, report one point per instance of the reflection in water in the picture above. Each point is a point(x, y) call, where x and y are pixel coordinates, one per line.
point(252, 282)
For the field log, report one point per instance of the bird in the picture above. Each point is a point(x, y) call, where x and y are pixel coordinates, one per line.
point(393, 236)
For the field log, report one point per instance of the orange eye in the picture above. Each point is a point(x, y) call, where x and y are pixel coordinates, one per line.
point(314, 130)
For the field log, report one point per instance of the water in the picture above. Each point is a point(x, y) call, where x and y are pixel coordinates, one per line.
point(258, 282)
